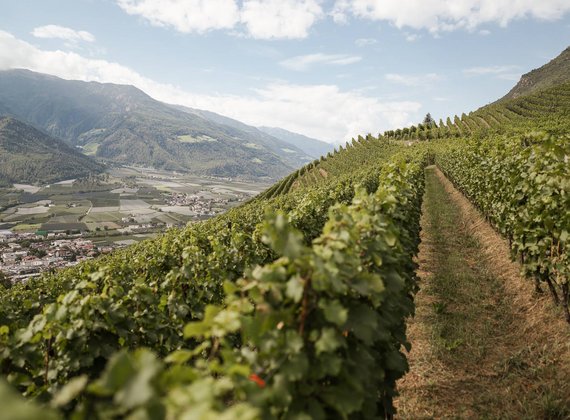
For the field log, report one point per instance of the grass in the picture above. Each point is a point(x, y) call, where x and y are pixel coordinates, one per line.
point(26, 227)
point(111, 239)
point(189, 139)
point(90, 149)
point(472, 353)
point(101, 226)
point(104, 200)
point(460, 285)
point(106, 216)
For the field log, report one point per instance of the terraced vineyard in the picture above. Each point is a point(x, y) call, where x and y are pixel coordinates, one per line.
point(547, 110)
point(295, 304)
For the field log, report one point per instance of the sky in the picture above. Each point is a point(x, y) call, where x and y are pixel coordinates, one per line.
point(329, 69)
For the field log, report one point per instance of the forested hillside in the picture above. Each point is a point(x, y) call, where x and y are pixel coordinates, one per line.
point(29, 156)
point(295, 305)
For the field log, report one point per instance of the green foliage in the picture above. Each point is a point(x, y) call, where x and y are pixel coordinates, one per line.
point(546, 110)
point(296, 337)
point(428, 120)
point(294, 304)
point(14, 407)
point(521, 184)
point(331, 289)
point(5, 283)
point(354, 162)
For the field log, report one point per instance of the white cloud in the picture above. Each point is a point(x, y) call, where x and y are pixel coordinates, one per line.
point(363, 42)
point(266, 19)
point(448, 15)
point(338, 17)
point(412, 37)
point(262, 19)
point(484, 70)
point(303, 62)
point(484, 32)
point(61, 32)
point(185, 16)
point(412, 79)
point(309, 109)
point(506, 72)
point(314, 110)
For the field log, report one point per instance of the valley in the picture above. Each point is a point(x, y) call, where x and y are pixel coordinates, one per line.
point(101, 213)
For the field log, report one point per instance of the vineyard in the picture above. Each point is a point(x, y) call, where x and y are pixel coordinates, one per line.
point(295, 304)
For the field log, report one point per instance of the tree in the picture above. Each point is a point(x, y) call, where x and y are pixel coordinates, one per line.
point(428, 120)
point(40, 253)
point(4, 281)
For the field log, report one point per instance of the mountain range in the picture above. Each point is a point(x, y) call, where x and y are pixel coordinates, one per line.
point(52, 119)
point(121, 124)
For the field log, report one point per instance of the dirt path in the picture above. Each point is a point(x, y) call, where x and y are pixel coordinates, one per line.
point(483, 345)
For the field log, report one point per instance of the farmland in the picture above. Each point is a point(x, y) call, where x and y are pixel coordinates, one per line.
point(95, 216)
point(128, 197)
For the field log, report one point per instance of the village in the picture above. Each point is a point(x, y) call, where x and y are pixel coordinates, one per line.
point(28, 254)
point(200, 205)
point(43, 229)
point(25, 255)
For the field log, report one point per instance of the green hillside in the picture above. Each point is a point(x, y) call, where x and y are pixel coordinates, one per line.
point(28, 156)
point(121, 124)
point(291, 152)
point(295, 304)
point(539, 102)
point(547, 110)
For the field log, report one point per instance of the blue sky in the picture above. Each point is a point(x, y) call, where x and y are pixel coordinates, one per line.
point(328, 69)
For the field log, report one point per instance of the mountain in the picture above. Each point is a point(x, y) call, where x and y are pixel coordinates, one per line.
point(312, 147)
point(30, 156)
point(278, 145)
point(553, 73)
point(123, 125)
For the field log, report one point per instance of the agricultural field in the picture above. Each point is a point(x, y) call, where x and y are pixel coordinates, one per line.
point(129, 197)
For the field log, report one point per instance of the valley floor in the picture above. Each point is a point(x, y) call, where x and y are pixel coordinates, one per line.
point(484, 345)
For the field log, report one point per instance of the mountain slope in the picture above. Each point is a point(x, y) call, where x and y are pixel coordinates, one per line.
point(555, 72)
point(29, 156)
point(313, 147)
point(122, 124)
point(292, 154)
